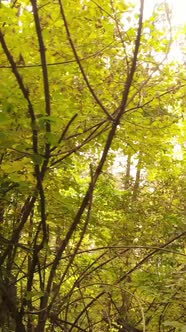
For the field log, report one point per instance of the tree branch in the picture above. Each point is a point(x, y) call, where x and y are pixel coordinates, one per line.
point(42, 51)
point(79, 62)
point(24, 91)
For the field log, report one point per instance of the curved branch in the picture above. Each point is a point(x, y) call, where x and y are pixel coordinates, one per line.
point(155, 251)
point(35, 65)
point(79, 62)
point(24, 91)
point(85, 309)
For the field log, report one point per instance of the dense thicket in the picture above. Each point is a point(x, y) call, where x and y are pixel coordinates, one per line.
point(92, 168)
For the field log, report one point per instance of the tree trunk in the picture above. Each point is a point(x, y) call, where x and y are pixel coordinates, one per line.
point(137, 179)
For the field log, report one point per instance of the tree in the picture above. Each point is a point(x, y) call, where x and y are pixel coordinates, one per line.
point(84, 87)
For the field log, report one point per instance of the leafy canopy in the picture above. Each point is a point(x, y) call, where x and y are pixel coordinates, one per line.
point(92, 168)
